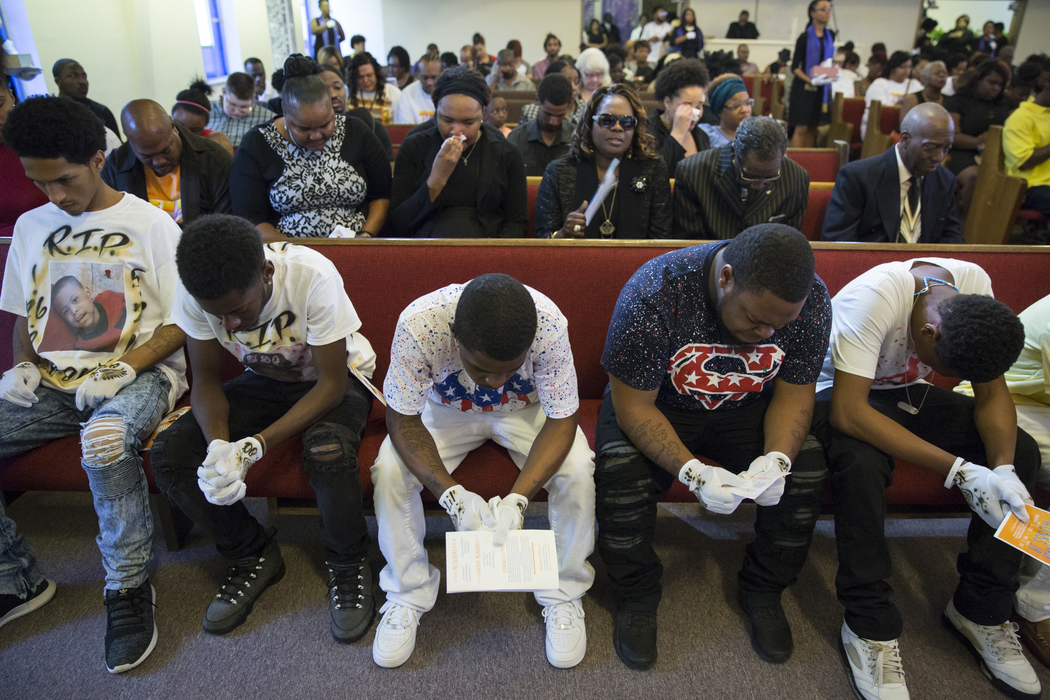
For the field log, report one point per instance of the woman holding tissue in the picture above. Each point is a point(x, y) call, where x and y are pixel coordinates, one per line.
point(312, 172)
point(680, 87)
point(808, 101)
point(611, 134)
point(455, 176)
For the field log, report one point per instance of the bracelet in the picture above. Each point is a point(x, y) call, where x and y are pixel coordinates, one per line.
point(959, 461)
point(366, 234)
point(262, 441)
point(554, 234)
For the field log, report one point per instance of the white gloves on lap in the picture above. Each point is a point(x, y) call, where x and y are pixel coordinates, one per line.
point(987, 491)
point(221, 476)
point(104, 383)
point(507, 514)
point(777, 464)
point(712, 486)
point(18, 384)
point(467, 509)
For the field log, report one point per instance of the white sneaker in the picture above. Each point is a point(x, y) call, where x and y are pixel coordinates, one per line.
point(875, 667)
point(395, 636)
point(566, 634)
point(999, 652)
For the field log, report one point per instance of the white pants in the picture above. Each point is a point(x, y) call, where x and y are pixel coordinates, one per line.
point(1032, 600)
point(408, 578)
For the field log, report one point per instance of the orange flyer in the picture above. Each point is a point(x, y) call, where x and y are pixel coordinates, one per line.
point(1032, 537)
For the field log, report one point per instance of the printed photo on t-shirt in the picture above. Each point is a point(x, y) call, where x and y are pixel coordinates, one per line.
point(87, 310)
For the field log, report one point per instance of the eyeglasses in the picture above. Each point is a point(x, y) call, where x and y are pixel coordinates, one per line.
point(737, 105)
point(748, 179)
point(608, 121)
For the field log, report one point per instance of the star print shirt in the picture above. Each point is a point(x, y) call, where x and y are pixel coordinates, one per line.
point(308, 308)
point(872, 314)
point(425, 362)
point(666, 334)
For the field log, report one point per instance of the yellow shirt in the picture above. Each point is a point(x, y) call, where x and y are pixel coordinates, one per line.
point(1027, 129)
point(165, 192)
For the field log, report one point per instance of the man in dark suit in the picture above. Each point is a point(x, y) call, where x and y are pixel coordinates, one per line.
point(169, 166)
point(722, 191)
point(904, 195)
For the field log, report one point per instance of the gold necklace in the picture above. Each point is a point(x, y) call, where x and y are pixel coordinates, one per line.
point(471, 150)
point(607, 228)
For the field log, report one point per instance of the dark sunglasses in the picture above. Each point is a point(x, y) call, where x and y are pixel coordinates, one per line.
point(608, 121)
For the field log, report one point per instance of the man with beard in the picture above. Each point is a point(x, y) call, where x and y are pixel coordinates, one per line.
point(713, 350)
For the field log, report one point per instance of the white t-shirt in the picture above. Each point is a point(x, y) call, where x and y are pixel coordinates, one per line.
point(889, 93)
point(871, 318)
point(414, 105)
point(110, 276)
point(654, 32)
point(308, 308)
point(845, 83)
point(425, 361)
point(391, 93)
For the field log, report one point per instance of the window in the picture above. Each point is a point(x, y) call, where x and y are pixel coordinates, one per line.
point(209, 29)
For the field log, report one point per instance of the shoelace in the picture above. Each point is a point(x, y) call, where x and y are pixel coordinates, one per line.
point(239, 577)
point(127, 608)
point(401, 616)
point(773, 612)
point(347, 584)
point(885, 659)
point(563, 614)
point(1003, 641)
point(637, 618)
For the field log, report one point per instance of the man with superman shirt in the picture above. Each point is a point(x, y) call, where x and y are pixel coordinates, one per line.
point(713, 350)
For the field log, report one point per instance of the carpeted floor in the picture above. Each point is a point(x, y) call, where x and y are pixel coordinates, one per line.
point(472, 645)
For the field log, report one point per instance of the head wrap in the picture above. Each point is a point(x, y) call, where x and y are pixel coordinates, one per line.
point(721, 94)
point(461, 80)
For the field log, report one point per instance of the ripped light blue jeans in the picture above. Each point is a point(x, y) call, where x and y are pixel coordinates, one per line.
point(110, 438)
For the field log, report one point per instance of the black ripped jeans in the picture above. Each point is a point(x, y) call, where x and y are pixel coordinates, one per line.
point(627, 485)
point(329, 455)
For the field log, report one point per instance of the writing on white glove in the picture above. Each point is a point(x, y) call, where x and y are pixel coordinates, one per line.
point(712, 486)
point(104, 383)
point(777, 464)
point(987, 491)
point(467, 509)
point(221, 476)
point(18, 384)
point(507, 514)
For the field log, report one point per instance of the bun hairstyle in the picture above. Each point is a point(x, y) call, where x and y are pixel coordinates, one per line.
point(301, 82)
point(195, 99)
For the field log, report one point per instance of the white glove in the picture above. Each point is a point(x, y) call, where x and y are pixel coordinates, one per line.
point(18, 384)
point(467, 509)
point(986, 491)
point(507, 514)
point(330, 24)
point(221, 476)
point(104, 383)
point(776, 463)
point(712, 486)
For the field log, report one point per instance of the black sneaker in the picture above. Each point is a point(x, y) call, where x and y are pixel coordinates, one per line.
point(131, 631)
point(12, 607)
point(245, 582)
point(634, 638)
point(351, 604)
point(770, 632)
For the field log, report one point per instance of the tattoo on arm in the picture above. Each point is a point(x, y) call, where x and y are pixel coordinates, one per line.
point(800, 430)
point(653, 440)
point(417, 441)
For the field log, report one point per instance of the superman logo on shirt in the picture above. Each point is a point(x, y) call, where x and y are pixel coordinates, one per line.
point(716, 373)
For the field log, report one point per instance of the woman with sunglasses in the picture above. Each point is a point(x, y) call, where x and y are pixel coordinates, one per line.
point(731, 104)
point(613, 126)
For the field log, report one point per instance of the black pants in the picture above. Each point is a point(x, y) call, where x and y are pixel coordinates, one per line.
point(329, 455)
point(860, 474)
point(628, 484)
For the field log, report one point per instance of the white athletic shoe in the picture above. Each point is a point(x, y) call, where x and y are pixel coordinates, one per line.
point(875, 667)
point(999, 652)
point(566, 634)
point(395, 636)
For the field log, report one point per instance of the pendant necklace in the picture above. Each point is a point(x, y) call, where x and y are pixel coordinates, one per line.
point(471, 151)
point(607, 229)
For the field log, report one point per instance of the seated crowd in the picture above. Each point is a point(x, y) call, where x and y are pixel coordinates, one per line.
point(199, 204)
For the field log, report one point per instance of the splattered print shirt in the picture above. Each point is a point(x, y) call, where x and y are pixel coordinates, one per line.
point(666, 334)
point(424, 361)
point(869, 337)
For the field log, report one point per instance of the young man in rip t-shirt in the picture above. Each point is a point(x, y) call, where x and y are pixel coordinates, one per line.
point(114, 394)
point(713, 350)
point(486, 361)
point(895, 326)
point(282, 311)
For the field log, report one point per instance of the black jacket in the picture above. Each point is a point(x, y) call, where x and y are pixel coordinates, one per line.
point(669, 149)
point(204, 174)
point(501, 200)
point(865, 204)
point(644, 207)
